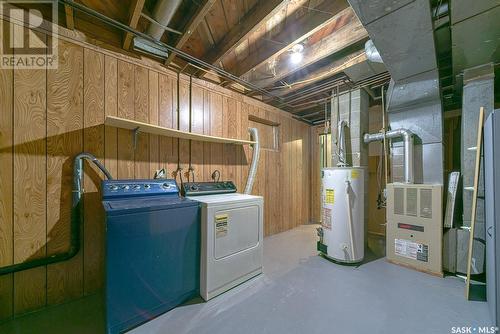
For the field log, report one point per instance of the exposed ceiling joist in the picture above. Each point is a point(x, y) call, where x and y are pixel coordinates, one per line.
point(191, 26)
point(314, 20)
point(347, 35)
point(70, 17)
point(258, 15)
point(135, 14)
point(324, 72)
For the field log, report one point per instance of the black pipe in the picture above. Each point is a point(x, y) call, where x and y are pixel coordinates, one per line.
point(76, 220)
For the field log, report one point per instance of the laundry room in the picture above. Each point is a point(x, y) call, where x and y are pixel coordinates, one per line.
point(251, 166)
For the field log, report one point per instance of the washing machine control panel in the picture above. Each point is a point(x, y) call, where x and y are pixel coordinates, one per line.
point(123, 188)
point(208, 188)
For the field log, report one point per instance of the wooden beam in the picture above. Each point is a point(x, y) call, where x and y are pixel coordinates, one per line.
point(70, 18)
point(193, 23)
point(135, 14)
point(308, 24)
point(338, 39)
point(258, 15)
point(322, 73)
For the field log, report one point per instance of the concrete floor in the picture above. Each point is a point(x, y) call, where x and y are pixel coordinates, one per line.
point(300, 292)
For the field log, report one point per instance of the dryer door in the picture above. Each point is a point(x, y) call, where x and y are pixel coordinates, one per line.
point(236, 230)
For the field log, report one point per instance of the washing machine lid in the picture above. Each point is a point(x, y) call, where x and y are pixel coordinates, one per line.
point(225, 198)
point(145, 204)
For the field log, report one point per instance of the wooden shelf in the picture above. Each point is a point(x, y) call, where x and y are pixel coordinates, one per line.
point(127, 124)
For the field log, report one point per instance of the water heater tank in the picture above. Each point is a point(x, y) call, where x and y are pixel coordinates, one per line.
point(342, 217)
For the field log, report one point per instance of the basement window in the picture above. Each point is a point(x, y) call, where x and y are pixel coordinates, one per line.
point(268, 132)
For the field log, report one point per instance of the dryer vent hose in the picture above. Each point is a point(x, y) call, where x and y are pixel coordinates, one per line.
point(254, 135)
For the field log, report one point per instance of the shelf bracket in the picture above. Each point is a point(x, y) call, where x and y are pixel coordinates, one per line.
point(135, 134)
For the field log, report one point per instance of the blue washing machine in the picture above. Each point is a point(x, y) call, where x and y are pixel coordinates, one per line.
point(152, 250)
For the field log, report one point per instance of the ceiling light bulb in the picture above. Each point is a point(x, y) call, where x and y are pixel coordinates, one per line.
point(296, 57)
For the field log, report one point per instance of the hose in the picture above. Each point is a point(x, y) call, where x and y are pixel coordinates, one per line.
point(76, 219)
point(254, 135)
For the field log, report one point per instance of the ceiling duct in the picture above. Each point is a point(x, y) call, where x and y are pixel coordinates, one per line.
point(372, 53)
point(403, 33)
point(161, 17)
point(163, 13)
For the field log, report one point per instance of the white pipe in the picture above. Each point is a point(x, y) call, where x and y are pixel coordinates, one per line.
point(407, 136)
point(254, 135)
point(341, 143)
point(163, 13)
point(349, 217)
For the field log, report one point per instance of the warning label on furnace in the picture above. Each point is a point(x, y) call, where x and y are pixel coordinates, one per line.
point(327, 219)
point(221, 225)
point(411, 250)
point(330, 196)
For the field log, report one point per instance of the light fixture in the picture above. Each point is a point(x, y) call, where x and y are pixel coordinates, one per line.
point(296, 54)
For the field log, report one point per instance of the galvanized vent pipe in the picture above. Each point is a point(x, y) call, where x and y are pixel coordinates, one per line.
point(163, 13)
point(341, 144)
point(407, 136)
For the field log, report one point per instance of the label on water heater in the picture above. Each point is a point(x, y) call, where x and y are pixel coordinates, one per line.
point(411, 250)
point(327, 219)
point(330, 196)
point(221, 225)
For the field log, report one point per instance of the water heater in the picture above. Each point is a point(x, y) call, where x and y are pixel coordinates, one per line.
point(342, 214)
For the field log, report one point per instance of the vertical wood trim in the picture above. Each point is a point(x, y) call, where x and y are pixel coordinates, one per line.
point(154, 148)
point(64, 141)
point(141, 113)
point(126, 110)
point(197, 123)
point(165, 119)
point(111, 109)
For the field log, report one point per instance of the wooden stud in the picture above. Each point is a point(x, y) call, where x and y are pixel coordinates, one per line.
point(191, 26)
point(328, 13)
point(70, 19)
point(135, 14)
point(252, 20)
point(474, 199)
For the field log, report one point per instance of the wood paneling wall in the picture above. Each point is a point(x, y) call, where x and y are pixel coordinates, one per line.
point(49, 116)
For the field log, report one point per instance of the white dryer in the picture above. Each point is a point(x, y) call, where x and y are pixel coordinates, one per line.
point(231, 236)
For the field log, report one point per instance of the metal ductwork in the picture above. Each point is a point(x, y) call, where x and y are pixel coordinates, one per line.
point(408, 148)
point(372, 53)
point(413, 96)
point(161, 17)
point(163, 13)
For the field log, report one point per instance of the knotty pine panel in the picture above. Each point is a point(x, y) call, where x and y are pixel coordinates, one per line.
point(51, 115)
point(6, 190)
point(64, 140)
point(30, 186)
point(94, 143)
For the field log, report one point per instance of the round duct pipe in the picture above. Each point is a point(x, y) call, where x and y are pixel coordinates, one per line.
point(163, 13)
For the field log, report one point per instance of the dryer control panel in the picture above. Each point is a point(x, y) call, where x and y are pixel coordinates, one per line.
point(208, 188)
point(134, 188)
